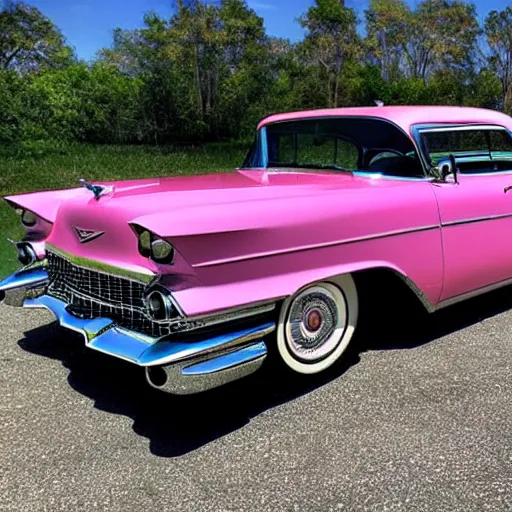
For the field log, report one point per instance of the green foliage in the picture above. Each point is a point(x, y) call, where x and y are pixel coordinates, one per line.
point(498, 30)
point(387, 24)
point(210, 72)
point(12, 107)
point(485, 90)
point(331, 41)
point(438, 35)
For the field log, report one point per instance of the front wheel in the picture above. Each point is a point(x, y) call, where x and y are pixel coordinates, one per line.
point(317, 324)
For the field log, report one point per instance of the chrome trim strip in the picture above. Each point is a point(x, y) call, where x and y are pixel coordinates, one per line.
point(461, 128)
point(387, 234)
point(480, 174)
point(476, 219)
point(380, 176)
point(103, 268)
point(264, 147)
point(416, 290)
point(258, 308)
point(473, 293)
point(432, 308)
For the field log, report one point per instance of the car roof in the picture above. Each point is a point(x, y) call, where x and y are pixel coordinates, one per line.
point(404, 116)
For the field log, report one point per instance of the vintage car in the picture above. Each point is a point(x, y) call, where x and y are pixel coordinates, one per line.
point(197, 278)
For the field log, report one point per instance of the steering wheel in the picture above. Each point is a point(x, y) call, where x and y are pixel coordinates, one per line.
point(383, 153)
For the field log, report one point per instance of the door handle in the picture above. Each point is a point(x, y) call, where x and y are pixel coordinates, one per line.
point(506, 189)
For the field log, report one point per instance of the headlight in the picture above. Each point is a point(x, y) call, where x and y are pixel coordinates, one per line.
point(150, 246)
point(161, 251)
point(159, 305)
point(145, 243)
point(26, 253)
point(28, 218)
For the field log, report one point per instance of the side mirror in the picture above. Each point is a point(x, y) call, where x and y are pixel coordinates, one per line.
point(447, 166)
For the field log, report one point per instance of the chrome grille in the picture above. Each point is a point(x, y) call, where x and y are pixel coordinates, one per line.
point(93, 294)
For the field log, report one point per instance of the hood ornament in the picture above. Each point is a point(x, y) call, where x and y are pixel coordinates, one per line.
point(97, 190)
point(86, 235)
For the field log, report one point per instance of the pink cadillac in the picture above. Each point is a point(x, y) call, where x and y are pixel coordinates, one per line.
point(196, 278)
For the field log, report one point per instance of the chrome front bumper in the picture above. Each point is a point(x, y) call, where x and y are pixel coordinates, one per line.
point(179, 367)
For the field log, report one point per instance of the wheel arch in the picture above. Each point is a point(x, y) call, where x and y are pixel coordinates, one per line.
point(375, 274)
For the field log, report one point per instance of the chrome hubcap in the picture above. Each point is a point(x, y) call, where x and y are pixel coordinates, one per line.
point(313, 320)
point(315, 324)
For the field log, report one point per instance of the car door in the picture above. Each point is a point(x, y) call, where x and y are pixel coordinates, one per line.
point(475, 206)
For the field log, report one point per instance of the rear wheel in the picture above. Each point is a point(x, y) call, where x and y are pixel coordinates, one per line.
point(317, 324)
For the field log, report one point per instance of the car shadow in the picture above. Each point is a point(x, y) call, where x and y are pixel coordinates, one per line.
point(176, 425)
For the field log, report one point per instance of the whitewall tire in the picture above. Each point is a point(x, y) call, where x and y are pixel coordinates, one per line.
point(317, 324)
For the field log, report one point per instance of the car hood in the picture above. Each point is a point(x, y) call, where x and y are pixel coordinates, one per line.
point(147, 196)
point(227, 202)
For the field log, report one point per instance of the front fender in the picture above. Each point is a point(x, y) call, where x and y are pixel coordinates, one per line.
point(415, 257)
point(44, 204)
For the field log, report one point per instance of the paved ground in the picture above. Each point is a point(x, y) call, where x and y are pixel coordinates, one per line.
point(418, 419)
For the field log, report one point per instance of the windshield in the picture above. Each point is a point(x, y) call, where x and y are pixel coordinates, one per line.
point(310, 144)
point(336, 143)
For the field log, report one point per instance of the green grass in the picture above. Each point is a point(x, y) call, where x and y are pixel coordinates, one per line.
point(61, 168)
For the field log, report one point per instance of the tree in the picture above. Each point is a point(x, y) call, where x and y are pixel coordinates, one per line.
point(204, 71)
point(29, 41)
point(247, 68)
point(331, 40)
point(387, 24)
point(440, 34)
point(498, 31)
point(210, 71)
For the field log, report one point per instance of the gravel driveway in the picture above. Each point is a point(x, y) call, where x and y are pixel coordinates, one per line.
point(418, 418)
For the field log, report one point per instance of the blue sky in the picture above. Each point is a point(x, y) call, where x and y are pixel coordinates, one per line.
point(88, 24)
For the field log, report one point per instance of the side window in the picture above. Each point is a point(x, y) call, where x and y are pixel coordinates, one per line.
point(476, 150)
point(501, 143)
